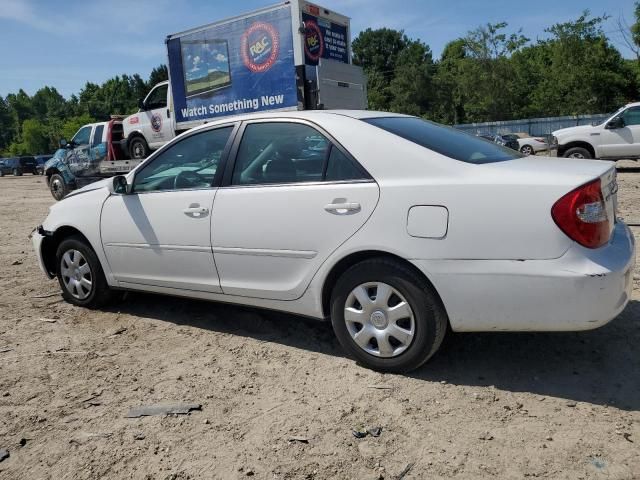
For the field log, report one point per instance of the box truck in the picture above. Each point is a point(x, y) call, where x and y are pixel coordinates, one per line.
point(291, 56)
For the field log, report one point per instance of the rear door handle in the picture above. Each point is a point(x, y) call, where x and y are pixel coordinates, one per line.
point(341, 207)
point(196, 211)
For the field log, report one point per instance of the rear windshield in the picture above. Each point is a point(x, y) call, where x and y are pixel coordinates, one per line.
point(445, 140)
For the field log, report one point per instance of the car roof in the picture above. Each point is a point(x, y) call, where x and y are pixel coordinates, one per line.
point(303, 115)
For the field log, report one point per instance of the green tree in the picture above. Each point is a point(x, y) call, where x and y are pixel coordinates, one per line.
point(34, 137)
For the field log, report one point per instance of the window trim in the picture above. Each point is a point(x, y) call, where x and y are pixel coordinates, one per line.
point(227, 180)
point(217, 178)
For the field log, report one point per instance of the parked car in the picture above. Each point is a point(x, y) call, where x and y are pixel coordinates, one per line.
point(399, 229)
point(615, 139)
point(504, 140)
point(40, 161)
point(531, 145)
point(18, 165)
point(92, 154)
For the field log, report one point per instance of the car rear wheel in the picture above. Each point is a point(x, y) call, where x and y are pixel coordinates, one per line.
point(577, 152)
point(386, 316)
point(17, 172)
point(80, 274)
point(58, 187)
point(138, 149)
point(526, 150)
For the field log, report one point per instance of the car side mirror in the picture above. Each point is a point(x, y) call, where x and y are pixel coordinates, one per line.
point(63, 143)
point(615, 123)
point(141, 105)
point(119, 185)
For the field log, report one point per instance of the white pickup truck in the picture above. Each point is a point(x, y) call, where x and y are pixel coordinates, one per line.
point(615, 139)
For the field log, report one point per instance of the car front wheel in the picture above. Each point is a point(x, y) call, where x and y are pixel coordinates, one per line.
point(387, 316)
point(80, 274)
point(578, 152)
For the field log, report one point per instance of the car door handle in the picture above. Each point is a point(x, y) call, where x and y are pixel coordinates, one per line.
point(195, 211)
point(342, 207)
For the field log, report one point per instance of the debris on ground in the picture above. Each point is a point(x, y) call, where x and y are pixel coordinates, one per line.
point(47, 295)
point(118, 331)
point(48, 320)
point(374, 431)
point(406, 470)
point(17, 262)
point(359, 432)
point(139, 436)
point(298, 439)
point(4, 454)
point(163, 409)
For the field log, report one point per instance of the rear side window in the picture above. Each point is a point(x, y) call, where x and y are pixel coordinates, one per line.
point(445, 140)
point(340, 167)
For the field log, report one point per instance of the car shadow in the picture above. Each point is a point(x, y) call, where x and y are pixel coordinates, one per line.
point(599, 366)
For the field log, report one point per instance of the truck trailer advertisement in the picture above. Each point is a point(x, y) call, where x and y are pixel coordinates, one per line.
point(221, 69)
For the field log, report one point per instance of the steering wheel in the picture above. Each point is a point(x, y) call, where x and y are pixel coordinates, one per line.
point(187, 179)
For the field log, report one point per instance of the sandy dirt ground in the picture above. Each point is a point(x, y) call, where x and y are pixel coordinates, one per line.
point(279, 399)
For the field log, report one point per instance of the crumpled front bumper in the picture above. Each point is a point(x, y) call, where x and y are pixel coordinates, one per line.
point(37, 237)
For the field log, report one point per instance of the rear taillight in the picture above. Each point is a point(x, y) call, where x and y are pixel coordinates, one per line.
point(582, 215)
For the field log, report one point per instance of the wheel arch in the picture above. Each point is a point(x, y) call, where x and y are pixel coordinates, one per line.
point(348, 261)
point(562, 149)
point(52, 241)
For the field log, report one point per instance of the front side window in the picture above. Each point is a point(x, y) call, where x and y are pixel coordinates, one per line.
point(287, 152)
point(157, 98)
point(190, 163)
point(82, 137)
point(631, 116)
point(445, 140)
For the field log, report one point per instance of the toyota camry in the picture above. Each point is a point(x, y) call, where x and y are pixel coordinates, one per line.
point(395, 228)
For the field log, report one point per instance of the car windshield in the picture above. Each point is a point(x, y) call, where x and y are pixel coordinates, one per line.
point(445, 140)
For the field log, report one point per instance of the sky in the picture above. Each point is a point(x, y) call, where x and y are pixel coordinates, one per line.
point(65, 43)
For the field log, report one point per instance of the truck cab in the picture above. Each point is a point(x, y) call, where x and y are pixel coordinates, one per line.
point(93, 153)
point(152, 126)
point(615, 139)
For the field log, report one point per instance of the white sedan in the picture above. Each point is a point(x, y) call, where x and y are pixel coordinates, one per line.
point(394, 227)
point(532, 145)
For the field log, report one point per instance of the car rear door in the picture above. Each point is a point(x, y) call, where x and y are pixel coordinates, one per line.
point(160, 234)
point(291, 196)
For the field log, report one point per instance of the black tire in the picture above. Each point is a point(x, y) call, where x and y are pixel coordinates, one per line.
point(430, 317)
point(58, 187)
point(99, 293)
point(578, 152)
point(526, 150)
point(1, 173)
point(138, 148)
point(17, 172)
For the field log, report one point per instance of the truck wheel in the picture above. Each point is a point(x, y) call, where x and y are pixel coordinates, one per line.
point(17, 173)
point(577, 152)
point(58, 187)
point(138, 149)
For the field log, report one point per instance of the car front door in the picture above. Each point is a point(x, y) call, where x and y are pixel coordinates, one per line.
point(77, 157)
point(623, 142)
point(291, 197)
point(159, 235)
point(155, 120)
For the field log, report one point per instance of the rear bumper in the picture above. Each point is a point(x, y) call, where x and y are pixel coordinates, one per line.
point(582, 290)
